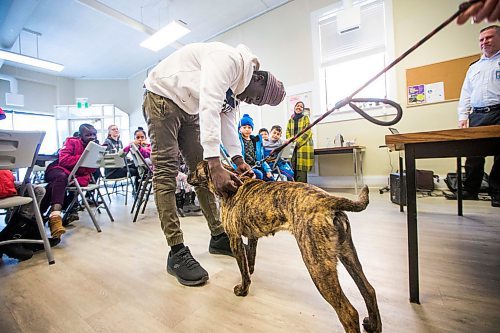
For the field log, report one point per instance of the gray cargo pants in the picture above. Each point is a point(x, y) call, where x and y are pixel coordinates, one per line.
point(172, 130)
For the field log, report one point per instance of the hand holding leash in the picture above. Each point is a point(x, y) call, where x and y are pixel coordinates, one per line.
point(226, 183)
point(480, 10)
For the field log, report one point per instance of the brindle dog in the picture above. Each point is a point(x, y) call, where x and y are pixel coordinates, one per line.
point(321, 229)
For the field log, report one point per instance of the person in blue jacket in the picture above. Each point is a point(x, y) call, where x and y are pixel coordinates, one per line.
point(252, 149)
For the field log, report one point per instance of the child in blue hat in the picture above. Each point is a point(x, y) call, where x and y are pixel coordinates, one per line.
point(252, 149)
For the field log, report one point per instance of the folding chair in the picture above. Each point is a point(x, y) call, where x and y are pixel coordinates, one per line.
point(19, 149)
point(91, 158)
point(283, 157)
point(114, 161)
point(145, 183)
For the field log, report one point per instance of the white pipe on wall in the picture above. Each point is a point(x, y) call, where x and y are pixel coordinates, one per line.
point(12, 81)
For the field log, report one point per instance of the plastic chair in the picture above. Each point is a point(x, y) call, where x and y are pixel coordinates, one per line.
point(145, 183)
point(91, 158)
point(19, 149)
point(114, 161)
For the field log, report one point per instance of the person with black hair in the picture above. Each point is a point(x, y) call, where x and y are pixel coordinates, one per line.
point(191, 105)
point(56, 175)
point(264, 133)
point(141, 142)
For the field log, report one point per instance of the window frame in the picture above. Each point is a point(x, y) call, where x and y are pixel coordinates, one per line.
point(12, 120)
point(319, 104)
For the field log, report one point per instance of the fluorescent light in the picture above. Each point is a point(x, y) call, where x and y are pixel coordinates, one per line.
point(166, 35)
point(23, 59)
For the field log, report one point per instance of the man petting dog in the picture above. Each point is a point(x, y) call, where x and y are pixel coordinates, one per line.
point(191, 105)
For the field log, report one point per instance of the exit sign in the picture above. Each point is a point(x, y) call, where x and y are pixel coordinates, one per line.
point(82, 103)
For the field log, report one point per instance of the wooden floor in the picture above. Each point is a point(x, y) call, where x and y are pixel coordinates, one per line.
point(115, 281)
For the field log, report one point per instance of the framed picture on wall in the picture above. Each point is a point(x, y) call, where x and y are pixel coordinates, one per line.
point(304, 97)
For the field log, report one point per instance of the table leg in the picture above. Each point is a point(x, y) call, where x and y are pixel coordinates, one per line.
point(411, 201)
point(355, 162)
point(459, 187)
point(401, 185)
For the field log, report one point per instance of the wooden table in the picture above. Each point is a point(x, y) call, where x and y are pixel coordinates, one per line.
point(357, 160)
point(475, 141)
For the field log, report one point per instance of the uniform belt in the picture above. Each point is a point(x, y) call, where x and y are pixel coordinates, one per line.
point(486, 109)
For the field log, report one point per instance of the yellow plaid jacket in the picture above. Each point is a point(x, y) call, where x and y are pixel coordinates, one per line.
point(304, 150)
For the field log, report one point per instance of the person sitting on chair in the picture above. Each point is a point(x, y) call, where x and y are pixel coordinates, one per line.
point(252, 149)
point(140, 141)
point(274, 142)
point(264, 133)
point(114, 146)
point(20, 223)
point(57, 174)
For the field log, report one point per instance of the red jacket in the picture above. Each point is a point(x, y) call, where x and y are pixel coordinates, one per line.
point(68, 157)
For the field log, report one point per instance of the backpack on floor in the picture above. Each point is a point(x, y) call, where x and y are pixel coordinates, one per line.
point(452, 182)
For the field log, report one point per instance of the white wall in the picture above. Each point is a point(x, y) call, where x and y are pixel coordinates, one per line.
point(104, 92)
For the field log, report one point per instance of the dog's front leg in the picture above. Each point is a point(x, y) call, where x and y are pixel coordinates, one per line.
point(239, 253)
point(251, 253)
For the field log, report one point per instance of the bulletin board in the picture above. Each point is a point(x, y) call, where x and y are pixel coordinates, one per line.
point(451, 73)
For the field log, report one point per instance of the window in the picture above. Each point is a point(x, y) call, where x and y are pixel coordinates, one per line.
point(26, 121)
point(345, 61)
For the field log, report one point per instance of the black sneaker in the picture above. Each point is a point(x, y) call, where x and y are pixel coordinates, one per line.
point(35, 247)
point(16, 251)
point(465, 196)
point(495, 200)
point(185, 268)
point(220, 245)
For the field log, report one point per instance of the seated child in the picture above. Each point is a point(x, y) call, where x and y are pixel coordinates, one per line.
point(274, 142)
point(184, 193)
point(140, 140)
point(252, 149)
point(264, 133)
point(57, 174)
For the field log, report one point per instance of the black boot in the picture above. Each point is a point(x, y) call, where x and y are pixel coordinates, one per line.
point(35, 247)
point(16, 251)
point(18, 227)
point(191, 205)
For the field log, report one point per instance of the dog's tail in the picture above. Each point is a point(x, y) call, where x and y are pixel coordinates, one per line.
point(351, 205)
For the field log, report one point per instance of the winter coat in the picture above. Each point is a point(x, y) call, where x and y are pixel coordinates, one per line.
point(144, 150)
point(69, 155)
point(259, 151)
point(304, 150)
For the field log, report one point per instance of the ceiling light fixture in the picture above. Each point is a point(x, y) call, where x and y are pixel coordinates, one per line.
point(166, 35)
point(27, 60)
point(23, 59)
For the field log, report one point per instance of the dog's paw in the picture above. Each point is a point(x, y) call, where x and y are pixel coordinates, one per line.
point(371, 327)
point(240, 291)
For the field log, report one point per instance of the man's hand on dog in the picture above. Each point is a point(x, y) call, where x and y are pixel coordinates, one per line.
point(226, 183)
point(242, 167)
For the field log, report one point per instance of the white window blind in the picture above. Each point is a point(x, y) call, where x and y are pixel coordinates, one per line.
point(369, 38)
